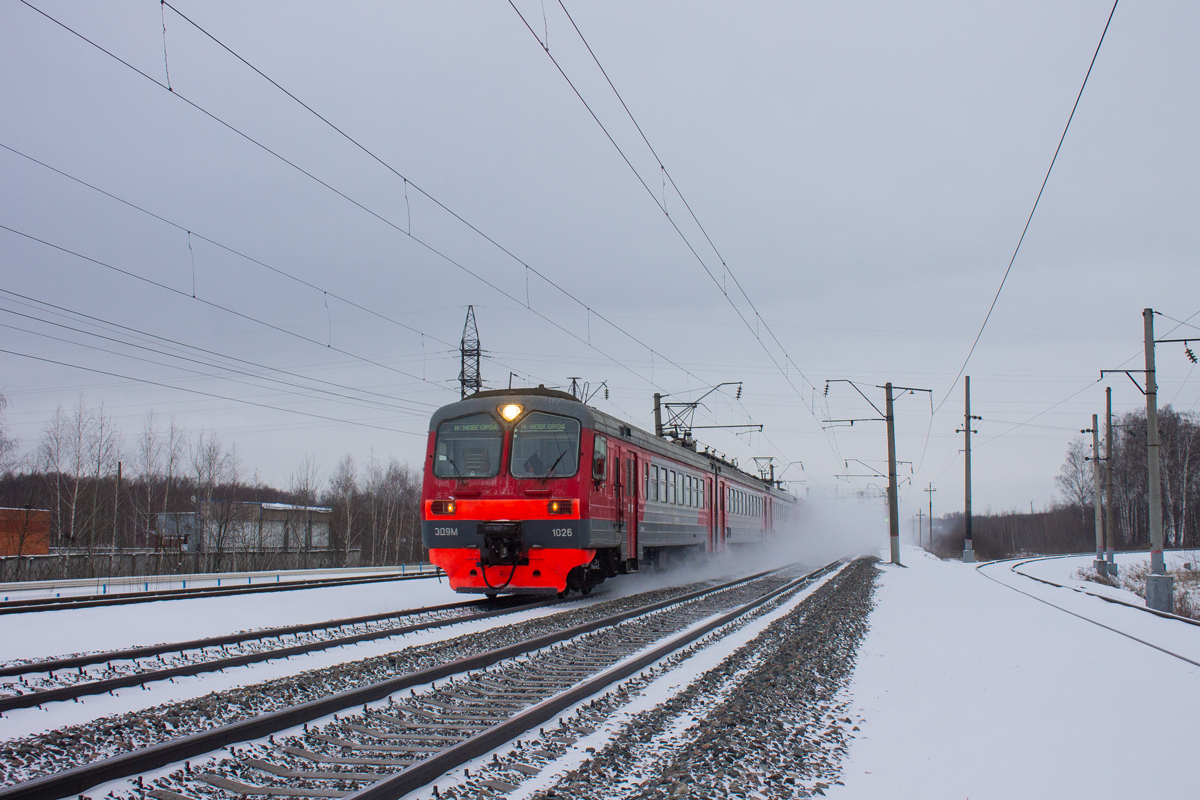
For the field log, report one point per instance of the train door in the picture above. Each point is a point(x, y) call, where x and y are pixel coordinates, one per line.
point(631, 501)
point(710, 497)
point(721, 517)
point(616, 456)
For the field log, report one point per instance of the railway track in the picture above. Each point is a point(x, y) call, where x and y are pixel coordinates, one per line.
point(1013, 568)
point(34, 605)
point(32, 684)
point(381, 744)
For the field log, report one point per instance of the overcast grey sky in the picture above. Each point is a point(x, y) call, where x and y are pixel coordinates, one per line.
point(865, 170)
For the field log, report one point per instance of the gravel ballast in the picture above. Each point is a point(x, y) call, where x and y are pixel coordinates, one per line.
point(769, 721)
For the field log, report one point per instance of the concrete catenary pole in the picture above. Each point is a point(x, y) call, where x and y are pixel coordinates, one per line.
point(1097, 497)
point(893, 500)
point(1110, 523)
point(1160, 588)
point(968, 544)
point(931, 490)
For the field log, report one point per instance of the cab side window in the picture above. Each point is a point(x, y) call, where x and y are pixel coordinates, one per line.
point(600, 459)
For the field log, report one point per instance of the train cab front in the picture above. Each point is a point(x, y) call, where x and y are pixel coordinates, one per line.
point(501, 500)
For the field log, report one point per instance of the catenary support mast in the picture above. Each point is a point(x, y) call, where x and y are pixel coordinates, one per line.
point(893, 498)
point(1160, 587)
point(1110, 523)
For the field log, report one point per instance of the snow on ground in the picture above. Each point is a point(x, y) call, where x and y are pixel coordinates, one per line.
point(53, 633)
point(970, 689)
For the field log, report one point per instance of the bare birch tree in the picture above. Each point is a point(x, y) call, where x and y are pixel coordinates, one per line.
point(8, 444)
point(343, 489)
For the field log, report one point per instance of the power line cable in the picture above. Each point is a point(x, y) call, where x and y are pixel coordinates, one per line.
point(98, 349)
point(1088, 386)
point(1033, 210)
point(308, 284)
point(360, 402)
point(225, 247)
point(67, 313)
point(218, 306)
point(208, 394)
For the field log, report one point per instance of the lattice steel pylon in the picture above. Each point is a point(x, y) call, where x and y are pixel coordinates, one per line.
point(469, 378)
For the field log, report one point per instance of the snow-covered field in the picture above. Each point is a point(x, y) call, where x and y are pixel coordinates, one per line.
point(970, 689)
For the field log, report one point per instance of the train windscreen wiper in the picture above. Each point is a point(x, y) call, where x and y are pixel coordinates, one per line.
point(550, 471)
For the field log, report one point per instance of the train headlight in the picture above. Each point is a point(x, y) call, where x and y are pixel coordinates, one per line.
point(560, 507)
point(443, 507)
point(511, 411)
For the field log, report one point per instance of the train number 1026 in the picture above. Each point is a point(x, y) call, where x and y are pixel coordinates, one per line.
point(562, 532)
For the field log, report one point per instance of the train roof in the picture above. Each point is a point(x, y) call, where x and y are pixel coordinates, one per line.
point(555, 401)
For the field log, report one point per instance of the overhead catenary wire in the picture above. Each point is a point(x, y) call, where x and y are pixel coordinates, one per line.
point(668, 177)
point(830, 438)
point(661, 205)
point(407, 181)
point(1033, 210)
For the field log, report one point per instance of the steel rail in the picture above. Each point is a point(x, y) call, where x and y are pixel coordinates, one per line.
point(72, 662)
point(425, 771)
point(1022, 561)
point(77, 780)
point(88, 688)
point(34, 605)
point(1117, 631)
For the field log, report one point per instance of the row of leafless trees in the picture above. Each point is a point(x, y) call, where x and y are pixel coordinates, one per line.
point(1058, 530)
point(105, 490)
point(1070, 526)
point(1179, 467)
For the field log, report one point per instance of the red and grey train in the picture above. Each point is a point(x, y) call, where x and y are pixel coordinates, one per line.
point(530, 491)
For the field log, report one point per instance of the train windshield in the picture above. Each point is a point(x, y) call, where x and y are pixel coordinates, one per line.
point(468, 447)
point(545, 446)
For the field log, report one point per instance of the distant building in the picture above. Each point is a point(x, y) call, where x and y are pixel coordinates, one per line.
point(24, 532)
point(246, 527)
